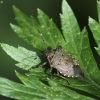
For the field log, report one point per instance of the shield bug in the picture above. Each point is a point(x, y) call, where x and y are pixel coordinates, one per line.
point(64, 63)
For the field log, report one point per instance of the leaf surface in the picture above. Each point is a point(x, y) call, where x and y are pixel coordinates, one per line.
point(25, 58)
point(78, 45)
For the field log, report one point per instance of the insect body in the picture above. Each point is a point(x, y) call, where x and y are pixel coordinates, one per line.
point(63, 62)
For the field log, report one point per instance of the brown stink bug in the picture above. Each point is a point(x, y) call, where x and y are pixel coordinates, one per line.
point(64, 63)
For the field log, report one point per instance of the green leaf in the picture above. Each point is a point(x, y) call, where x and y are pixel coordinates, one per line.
point(26, 58)
point(29, 27)
point(51, 34)
point(53, 90)
point(98, 9)
point(34, 89)
point(71, 30)
point(18, 91)
point(98, 50)
point(95, 28)
point(78, 45)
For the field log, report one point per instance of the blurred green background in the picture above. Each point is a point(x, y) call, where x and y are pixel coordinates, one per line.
point(81, 8)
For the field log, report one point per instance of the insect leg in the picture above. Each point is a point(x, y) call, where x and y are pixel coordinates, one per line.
point(51, 71)
point(43, 64)
point(62, 77)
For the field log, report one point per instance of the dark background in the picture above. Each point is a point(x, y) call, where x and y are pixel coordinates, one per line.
point(81, 8)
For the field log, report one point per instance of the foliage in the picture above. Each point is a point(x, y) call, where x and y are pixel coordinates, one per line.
point(37, 83)
point(95, 28)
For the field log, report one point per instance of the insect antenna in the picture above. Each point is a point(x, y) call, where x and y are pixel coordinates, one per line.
point(43, 40)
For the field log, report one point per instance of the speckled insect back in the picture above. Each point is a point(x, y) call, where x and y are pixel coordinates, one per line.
point(64, 63)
